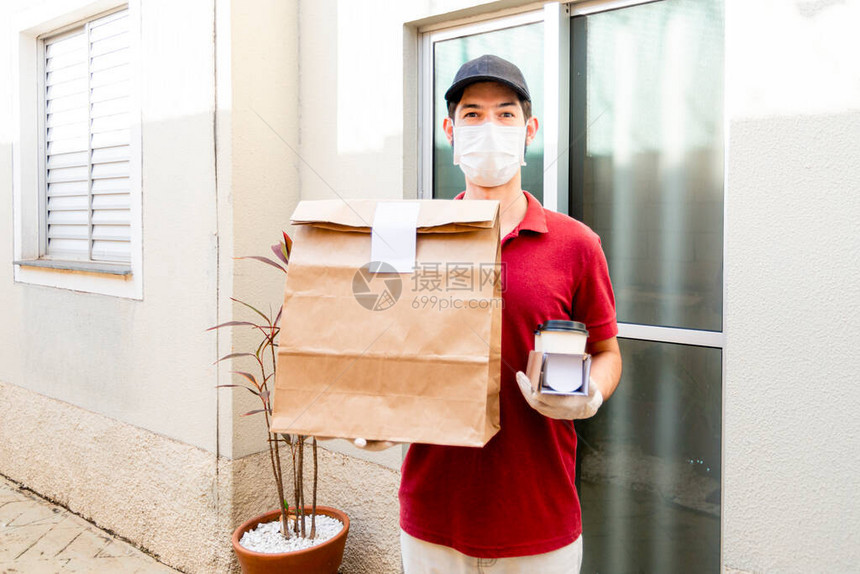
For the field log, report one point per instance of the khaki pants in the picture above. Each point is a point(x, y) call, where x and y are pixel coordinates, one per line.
point(420, 557)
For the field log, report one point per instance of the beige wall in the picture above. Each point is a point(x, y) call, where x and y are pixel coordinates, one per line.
point(146, 362)
point(791, 430)
point(259, 68)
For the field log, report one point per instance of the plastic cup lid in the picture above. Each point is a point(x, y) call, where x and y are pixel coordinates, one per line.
point(570, 326)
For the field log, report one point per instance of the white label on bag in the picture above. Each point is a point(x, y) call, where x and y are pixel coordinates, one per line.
point(393, 235)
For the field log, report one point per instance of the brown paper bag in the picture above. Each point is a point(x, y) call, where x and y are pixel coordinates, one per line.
point(406, 357)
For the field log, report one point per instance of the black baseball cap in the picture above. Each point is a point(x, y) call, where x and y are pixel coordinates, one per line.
point(488, 68)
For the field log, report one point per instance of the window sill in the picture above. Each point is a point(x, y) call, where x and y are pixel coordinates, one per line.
point(82, 266)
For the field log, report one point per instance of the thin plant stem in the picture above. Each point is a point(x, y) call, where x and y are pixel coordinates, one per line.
point(274, 454)
point(279, 477)
point(314, 494)
point(301, 482)
point(279, 486)
point(293, 448)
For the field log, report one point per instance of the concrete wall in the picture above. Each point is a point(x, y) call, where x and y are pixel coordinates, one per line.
point(259, 69)
point(109, 405)
point(146, 362)
point(791, 430)
point(172, 499)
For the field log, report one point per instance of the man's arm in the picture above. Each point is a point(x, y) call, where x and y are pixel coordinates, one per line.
point(605, 365)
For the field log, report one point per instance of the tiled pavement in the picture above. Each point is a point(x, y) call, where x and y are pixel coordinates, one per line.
point(37, 537)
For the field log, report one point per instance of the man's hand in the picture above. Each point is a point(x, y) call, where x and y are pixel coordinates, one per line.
point(368, 445)
point(562, 407)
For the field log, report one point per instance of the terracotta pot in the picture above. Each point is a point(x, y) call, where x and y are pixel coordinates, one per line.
point(324, 558)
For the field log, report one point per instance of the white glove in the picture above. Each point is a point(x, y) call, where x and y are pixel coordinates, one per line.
point(562, 407)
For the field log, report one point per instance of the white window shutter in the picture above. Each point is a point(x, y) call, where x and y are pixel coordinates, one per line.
point(87, 142)
point(67, 146)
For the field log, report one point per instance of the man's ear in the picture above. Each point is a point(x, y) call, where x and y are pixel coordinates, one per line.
point(531, 129)
point(448, 126)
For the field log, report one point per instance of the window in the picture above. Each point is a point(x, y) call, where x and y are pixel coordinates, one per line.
point(514, 38)
point(634, 149)
point(86, 187)
point(648, 467)
point(77, 195)
point(647, 173)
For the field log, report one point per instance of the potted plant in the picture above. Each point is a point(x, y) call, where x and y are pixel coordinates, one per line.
point(315, 535)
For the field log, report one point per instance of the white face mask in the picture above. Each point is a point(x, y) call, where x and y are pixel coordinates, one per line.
point(489, 154)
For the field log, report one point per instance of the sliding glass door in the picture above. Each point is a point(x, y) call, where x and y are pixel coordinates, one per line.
point(646, 173)
point(643, 90)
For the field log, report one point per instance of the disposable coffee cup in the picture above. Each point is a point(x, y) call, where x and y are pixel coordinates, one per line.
point(561, 337)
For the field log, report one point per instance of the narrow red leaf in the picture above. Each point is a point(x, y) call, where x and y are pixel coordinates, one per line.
point(233, 356)
point(233, 324)
point(253, 412)
point(262, 259)
point(248, 376)
point(278, 250)
point(250, 390)
point(254, 309)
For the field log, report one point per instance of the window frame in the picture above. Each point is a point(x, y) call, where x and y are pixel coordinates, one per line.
point(429, 36)
point(31, 264)
point(656, 333)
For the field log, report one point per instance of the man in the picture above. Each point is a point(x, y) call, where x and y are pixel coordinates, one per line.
point(511, 506)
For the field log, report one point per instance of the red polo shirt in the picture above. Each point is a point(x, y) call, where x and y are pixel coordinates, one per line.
point(516, 495)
